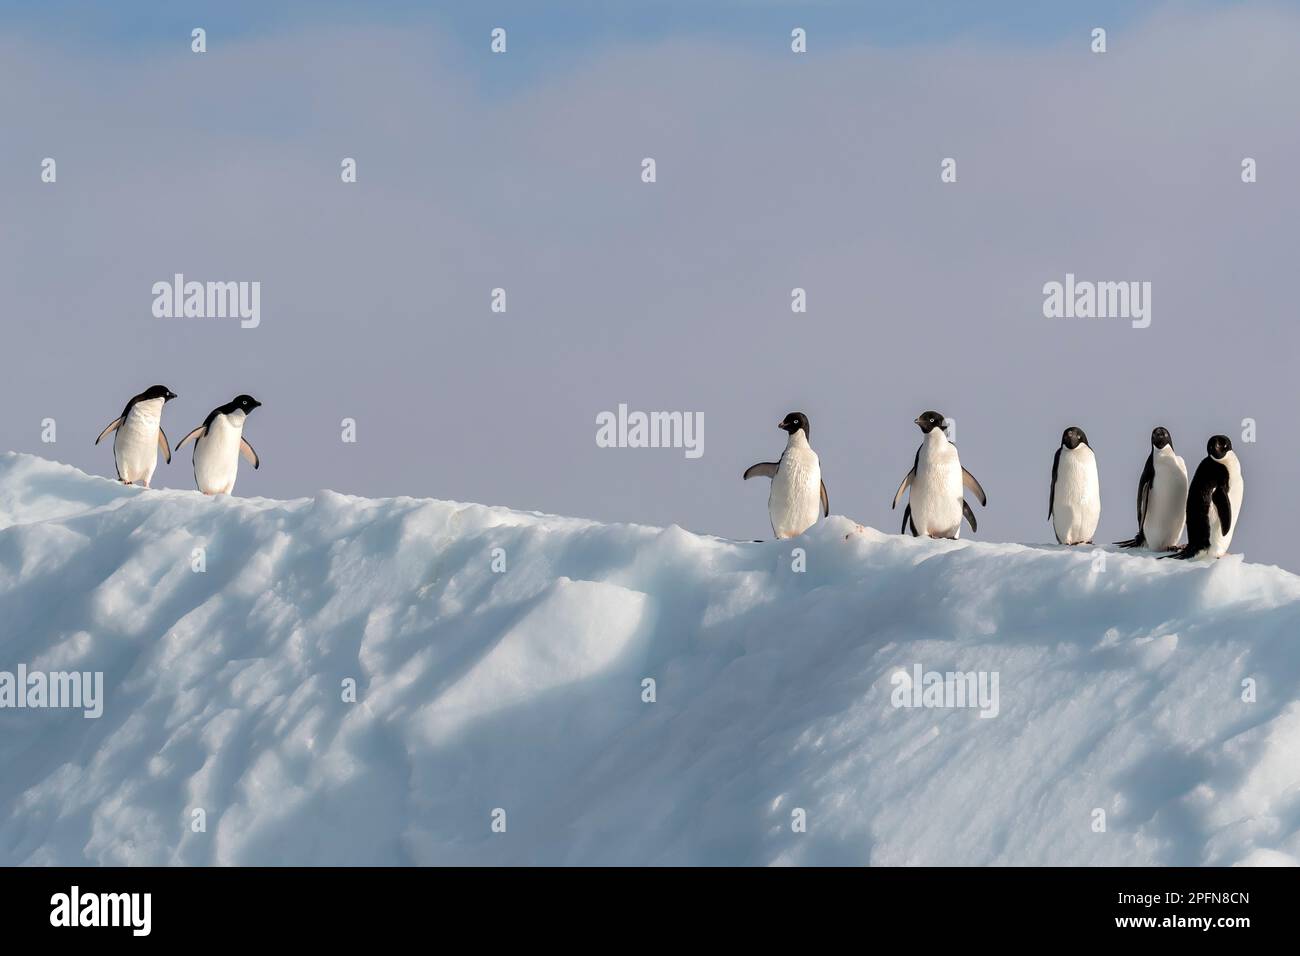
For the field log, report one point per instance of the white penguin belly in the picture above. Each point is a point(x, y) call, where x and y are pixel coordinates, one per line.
point(216, 457)
point(135, 445)
point(794, 501)
point(1076, 504)
point(936, 495)
point(1166, 502)
point(1219, 541)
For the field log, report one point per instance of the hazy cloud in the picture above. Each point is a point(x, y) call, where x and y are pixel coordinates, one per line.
point(774, 171)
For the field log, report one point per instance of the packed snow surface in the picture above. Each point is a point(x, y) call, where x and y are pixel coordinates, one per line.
point(1146, 711)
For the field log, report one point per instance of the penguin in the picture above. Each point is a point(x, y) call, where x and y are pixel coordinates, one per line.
point(139, 436)
point(1213, 502)
point(218, 443)
point(937, 504)
point(1074, 503)
point(1161, 498)
point(798, 493)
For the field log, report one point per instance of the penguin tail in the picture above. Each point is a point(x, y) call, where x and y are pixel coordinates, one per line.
point(1135, 542)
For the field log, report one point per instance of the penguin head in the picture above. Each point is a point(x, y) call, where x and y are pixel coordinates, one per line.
point(1218, 446)
point(793, 422)
point(1073, 437)
point(1160, 438)
point(157, 391)
point(245, 403)
point(929, 421)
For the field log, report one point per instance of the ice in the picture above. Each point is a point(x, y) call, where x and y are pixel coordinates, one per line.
point(502, 662)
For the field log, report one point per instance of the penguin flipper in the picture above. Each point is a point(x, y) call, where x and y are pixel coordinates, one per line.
point(1051, 493)
point(111, 426)
point(973, 486)
point(826, 502)
point(196, 435)
point(1224, 507)
point(162, 443)
point(246, 450)
point(968, 515)
point(1145, 483)
point(1144, 490)
point(764, 469)
point(907, 480)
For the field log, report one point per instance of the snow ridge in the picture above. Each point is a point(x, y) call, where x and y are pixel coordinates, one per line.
point(500, 661)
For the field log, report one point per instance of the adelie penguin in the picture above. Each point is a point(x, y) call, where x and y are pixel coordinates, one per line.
point(798, 494)
point(1074, 502)
point(937, 502)
point(1161, 498)
point(218, 444)
point(1213, 502)
point(139, 436)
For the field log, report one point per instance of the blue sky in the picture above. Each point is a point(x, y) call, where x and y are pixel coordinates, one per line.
point(559, 29)
point(549, 37)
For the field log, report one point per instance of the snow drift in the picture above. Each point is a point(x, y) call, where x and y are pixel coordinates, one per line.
point(1156, 698)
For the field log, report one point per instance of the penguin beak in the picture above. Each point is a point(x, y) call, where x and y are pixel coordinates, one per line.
point(916, 420)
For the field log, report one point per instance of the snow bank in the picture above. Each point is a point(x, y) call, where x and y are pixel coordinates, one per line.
point(773, 737)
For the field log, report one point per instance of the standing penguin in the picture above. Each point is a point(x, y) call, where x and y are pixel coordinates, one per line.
point(1162, 497)
point(798, 493)
point(218, 443)
point(1213, 502)
point(937, 503)
point(1074, 503)
point(140, 435)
